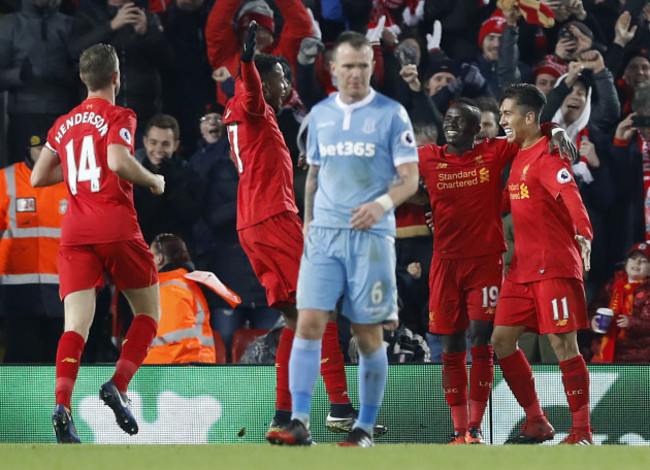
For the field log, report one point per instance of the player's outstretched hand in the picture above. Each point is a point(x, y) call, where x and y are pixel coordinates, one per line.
point(585, 248)
point(564, 145)
point(248, 50)
point(159, 186)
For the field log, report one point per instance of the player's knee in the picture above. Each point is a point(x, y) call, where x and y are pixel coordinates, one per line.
point(454, 343)
point(79, 326)
point(480, 333)
point(564, 346)
point(503, 345)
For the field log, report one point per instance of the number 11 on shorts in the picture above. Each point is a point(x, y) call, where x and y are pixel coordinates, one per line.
point(565, 308)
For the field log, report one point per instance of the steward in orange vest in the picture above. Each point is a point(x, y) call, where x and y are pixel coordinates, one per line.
point(30, 229)
point(184, 333)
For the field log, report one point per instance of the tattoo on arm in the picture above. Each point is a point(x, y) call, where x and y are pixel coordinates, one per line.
point(398, 182)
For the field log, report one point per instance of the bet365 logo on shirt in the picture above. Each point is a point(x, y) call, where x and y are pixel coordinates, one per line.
point(347, 149)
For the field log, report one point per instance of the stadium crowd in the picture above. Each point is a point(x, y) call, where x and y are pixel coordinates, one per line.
point(179, 60)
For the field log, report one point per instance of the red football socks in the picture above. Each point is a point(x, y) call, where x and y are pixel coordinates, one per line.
point(68, 357)
point(134, 349)
point(454, 382)
point(332, 365)
point(480, 383)
point(519, 376)
point(575, 377)
point(282, 394)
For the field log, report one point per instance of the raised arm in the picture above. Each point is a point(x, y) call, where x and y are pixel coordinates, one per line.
point(220, 38)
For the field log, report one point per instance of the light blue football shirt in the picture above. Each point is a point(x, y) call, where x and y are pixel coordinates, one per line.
point(357, 147)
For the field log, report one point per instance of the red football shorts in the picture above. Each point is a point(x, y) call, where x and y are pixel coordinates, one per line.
point(274, 247)
point(129, 264)
point(555, 305)
point(463, 290)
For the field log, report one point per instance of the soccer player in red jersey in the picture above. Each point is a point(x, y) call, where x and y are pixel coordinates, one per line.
point(270, 231)
point(544, 289)
point(464, 182)
point(91, 148)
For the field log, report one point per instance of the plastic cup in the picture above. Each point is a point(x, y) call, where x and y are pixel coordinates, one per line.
point(603, 319)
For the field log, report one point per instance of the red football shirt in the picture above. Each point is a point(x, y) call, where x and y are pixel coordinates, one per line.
point(261, 156)
point(100, 207)
point(465, 193)
point(547, 212)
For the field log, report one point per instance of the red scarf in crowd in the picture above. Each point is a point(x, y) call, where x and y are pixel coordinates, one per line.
point(622, 302)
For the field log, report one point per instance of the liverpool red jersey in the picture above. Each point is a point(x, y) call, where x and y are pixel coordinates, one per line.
point(100, 207)
point(261, 156)
point(465, 193)
point(547, 212)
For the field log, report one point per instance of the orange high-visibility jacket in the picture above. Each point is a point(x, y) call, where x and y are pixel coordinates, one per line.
point(184, 333)
point(30, 225)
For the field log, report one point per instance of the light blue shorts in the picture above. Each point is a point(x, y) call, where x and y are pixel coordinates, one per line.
point(360, 266)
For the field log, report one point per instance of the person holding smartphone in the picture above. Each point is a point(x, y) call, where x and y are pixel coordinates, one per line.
point(630, 156)
point(144, 51)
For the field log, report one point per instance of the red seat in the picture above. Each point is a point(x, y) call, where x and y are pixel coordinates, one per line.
point(219, 348)
point(241, 340)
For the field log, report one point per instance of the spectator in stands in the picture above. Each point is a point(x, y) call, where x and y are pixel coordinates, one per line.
point(216, 244)
point(137, 36)
point(188, 84)
point(574, 38)
point(311, 66)
point(499, 56)
point(545, 74)
point(443, 79)
point(184, 333)
point(574, 11)
point(636, 73)
point(30, 232)
point(181, 205)
point(632, 177)
point(489, 118)
point(36, 70)
point(409, 90)
point(460, 20)
point(440, 73)
point(224, 42)
point(628, 336)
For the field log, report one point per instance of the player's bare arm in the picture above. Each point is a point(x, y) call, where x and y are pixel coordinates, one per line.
point(47, 170)
point(368, 214)
point(311, 185)
point(122, 163)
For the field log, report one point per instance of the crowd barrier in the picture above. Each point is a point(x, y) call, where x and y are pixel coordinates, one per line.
point(234, 404)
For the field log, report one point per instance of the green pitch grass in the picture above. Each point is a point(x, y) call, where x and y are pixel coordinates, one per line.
point(321, 457)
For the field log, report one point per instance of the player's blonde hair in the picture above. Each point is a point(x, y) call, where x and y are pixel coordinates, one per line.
point(97, 64)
